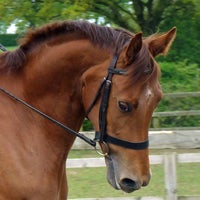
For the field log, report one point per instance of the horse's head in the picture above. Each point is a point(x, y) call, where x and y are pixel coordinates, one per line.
point(126, 112)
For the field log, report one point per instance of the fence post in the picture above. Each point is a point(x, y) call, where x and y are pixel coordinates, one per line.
point(170, 176)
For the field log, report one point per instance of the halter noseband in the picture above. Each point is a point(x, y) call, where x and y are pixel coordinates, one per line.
point(101, 135)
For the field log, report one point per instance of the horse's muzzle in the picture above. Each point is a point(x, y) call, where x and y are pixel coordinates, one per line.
point(126, 184)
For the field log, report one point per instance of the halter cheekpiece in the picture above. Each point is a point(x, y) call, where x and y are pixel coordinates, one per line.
point(101, 135)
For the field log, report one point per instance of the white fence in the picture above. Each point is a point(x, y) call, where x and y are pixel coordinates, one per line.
point(179, 113)
point(159, 139)
point(169, 161)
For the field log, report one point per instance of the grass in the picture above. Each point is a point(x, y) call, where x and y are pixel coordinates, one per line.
point(188, 178)
point(91, 182)
point(90, 153)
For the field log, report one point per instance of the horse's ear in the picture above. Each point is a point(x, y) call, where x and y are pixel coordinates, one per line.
point(133, 48)
point(160, 44)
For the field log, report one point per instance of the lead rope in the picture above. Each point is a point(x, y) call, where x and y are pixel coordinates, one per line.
point(69, 130)
point(83, 137)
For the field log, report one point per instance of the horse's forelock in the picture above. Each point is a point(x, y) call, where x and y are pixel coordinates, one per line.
point(143, 67)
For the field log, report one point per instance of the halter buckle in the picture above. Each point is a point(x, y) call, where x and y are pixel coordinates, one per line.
point(104, 149)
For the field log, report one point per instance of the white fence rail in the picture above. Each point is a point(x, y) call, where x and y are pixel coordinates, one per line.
point(154, 159)
point(159, 139)
point(169, 161)
point(175, 113)
point(182, 94)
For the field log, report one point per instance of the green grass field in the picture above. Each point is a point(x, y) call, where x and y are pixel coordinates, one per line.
point(91, 182)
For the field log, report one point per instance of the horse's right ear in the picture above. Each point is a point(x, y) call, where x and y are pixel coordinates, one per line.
point(133, 48)
point(160, 44)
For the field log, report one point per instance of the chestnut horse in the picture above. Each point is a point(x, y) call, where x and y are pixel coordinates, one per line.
point(64, 71)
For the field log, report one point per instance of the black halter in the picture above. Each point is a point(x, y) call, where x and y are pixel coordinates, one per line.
point(101, 135)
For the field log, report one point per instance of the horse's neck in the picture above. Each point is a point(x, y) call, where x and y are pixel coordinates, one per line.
point(52, 81)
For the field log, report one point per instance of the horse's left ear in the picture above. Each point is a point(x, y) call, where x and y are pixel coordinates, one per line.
point(160, 44)
point(133, 48)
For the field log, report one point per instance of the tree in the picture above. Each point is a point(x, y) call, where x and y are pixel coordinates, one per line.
point(187, 20)
point(29, 13)
point(134, 15)
point(3, 27)
point(148, 16)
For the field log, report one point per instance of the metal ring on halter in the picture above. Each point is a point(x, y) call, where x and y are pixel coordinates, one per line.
point(103, 146)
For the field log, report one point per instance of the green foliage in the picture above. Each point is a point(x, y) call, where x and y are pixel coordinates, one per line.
point(185, 16)
point(179, 76)
point(87, 125)
point(148, 16)
point(9, 39)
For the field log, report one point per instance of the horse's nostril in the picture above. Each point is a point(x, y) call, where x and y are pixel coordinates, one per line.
point(129, 185)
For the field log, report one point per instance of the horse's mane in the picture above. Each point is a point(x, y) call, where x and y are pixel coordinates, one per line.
point(104, 37)
point(98, 35)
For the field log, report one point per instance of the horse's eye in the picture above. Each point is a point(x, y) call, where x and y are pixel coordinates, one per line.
point(124, 106)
